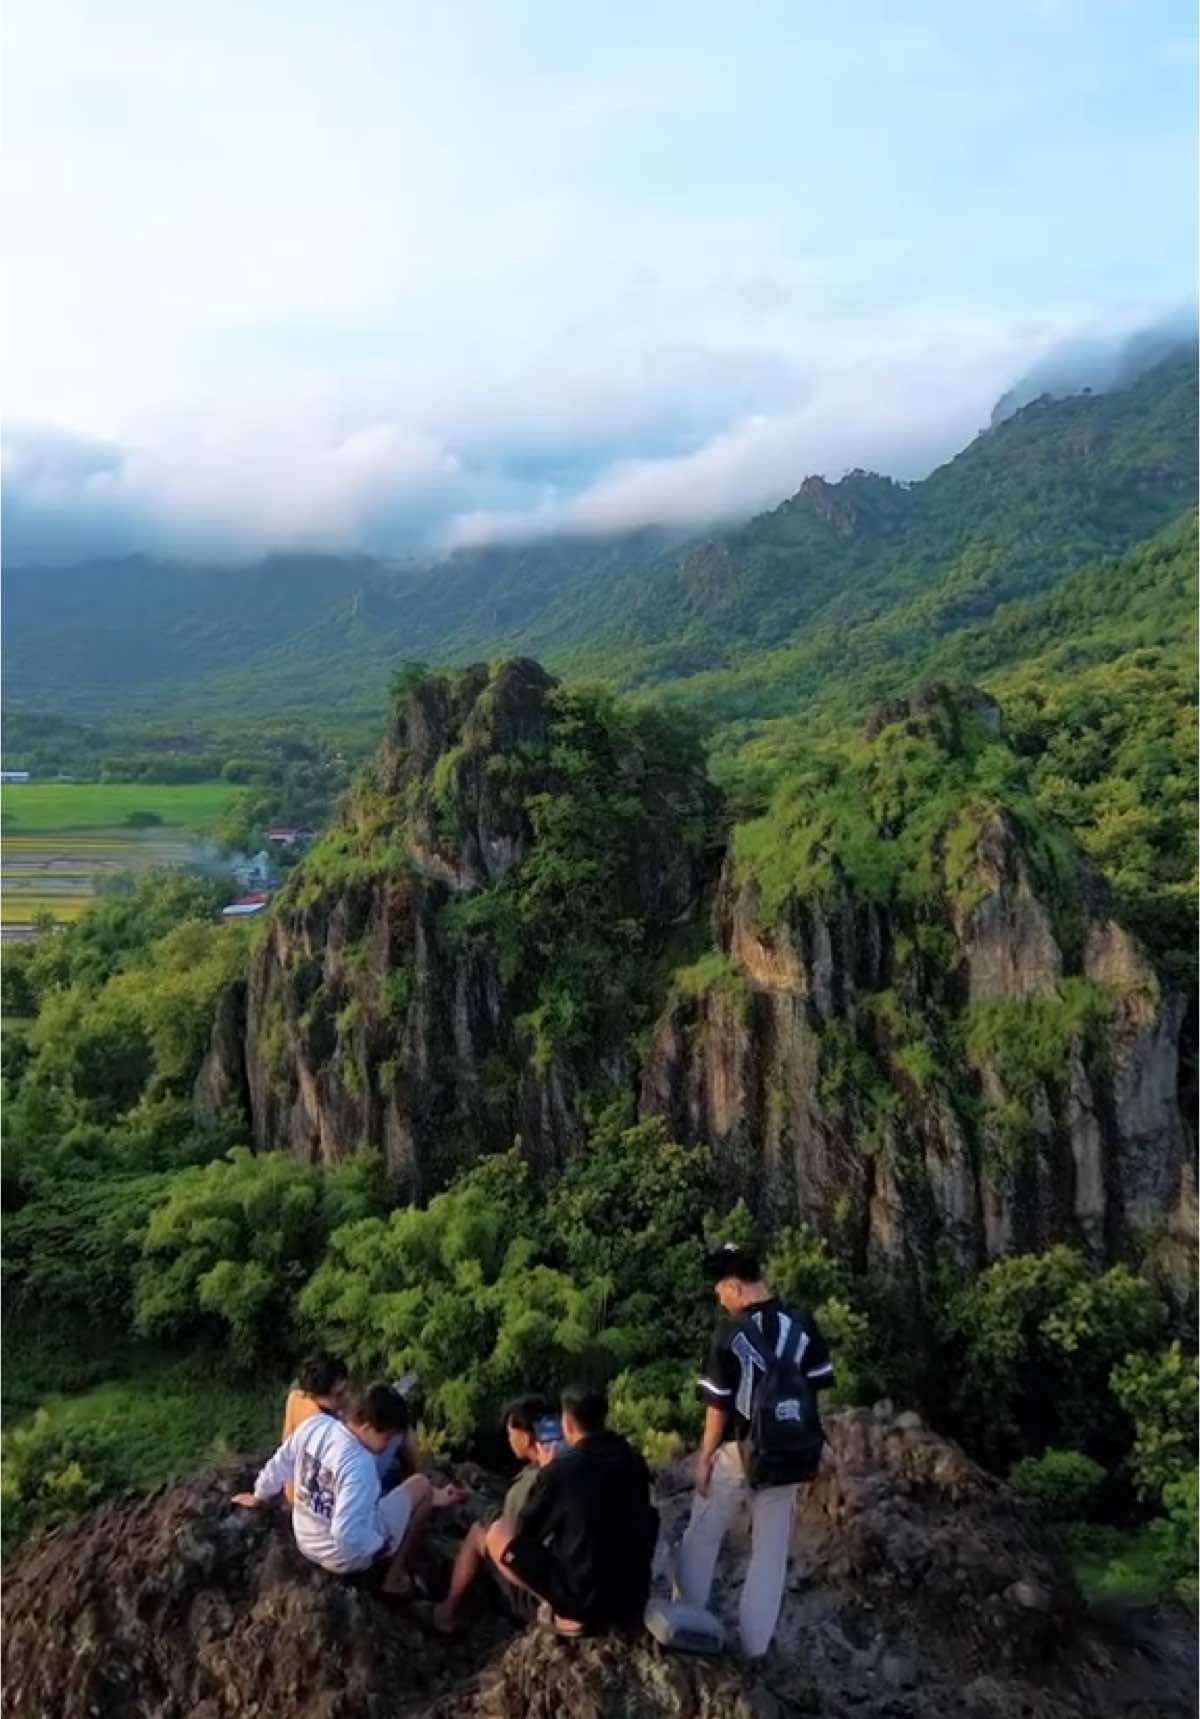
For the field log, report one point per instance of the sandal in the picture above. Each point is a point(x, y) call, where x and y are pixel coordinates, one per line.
point(426, 1613)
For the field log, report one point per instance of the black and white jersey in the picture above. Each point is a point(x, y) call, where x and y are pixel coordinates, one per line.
point(734, 1366)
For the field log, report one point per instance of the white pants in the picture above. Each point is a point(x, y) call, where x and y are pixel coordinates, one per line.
point(395, 1513)
point(771, 1511)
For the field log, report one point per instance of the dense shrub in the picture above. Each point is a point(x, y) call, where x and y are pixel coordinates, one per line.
point(1037, 1336)
point(120, 1032)
point(52, 1472)
point(1178, 1534)
point(453, 1290)
point(1160, 1393)
point(71, 1254)
point(1064, 1483)
point(801, 1267)
point(487, 1290)
point(229, 1249)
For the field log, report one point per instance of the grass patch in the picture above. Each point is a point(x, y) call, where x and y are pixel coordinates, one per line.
point(46, 807)
point(160, 1416)
point(1116, 1563)
point(701, 976)
point(174, 1417)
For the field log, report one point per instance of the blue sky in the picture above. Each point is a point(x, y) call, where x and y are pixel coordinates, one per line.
point(380, 275)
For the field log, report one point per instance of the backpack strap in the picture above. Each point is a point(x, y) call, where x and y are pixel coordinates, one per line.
point(757, 1341)
point(795, 1342)
point(779, 1354)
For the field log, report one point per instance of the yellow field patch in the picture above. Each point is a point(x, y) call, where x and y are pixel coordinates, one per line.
point(21, 909)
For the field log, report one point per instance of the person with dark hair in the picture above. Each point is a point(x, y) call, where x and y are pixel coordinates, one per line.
point(341, 1518)
point(756, 1336)
point(534, 1437)
point(584, 1542)
point(322, 1382)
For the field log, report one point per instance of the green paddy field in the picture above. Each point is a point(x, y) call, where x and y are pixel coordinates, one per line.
point(60, 839)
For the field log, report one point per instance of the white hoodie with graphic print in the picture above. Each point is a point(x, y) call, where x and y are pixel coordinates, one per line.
point(335, 1515)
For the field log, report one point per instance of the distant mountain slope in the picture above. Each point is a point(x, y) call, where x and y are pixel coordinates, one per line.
point(843, 583)
point(853, 580)
point(1097, 680)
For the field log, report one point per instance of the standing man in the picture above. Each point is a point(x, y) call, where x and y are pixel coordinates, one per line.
point(756, 1328)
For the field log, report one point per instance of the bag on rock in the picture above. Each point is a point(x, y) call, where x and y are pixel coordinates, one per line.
point(685, 1629)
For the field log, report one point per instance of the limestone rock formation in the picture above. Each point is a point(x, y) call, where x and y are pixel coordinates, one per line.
point(373, 1015)
point(986, 1063)
point(954, 1050)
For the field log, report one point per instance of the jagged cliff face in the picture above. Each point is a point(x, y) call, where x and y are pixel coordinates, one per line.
point(984, 1063)
point(427, 984)
point(918, 1028)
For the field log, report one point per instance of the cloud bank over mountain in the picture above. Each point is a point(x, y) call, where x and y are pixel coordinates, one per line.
point(706, 439)
point(389, 278)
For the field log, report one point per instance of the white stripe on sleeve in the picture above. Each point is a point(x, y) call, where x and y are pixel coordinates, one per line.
point(717, 1390)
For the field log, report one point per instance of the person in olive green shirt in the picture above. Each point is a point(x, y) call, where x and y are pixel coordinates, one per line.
point(534, 1436)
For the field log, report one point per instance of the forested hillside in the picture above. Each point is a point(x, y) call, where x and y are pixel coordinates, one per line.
point(830, 597)
point(866, 921)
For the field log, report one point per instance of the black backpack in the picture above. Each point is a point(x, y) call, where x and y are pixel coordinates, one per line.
point(784, 1443)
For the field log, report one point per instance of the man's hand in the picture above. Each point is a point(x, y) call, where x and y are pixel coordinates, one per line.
point(704, 1468)
point(247, 1500)
point(444, 1496)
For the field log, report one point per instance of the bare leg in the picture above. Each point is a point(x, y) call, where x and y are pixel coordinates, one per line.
point(498, 1537)
point(398, 1581)
point(467, 1566)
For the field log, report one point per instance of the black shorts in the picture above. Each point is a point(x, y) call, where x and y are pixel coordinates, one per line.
point(535, 1566)
point(519, 1603)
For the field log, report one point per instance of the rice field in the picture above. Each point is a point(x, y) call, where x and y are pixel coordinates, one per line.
point(41, 808)
point(62, 839)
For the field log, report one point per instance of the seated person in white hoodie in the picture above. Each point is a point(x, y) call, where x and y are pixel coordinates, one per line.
point(341, 1517)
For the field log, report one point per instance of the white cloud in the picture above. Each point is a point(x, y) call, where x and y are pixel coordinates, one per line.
point(899, 401)
point(342, 275)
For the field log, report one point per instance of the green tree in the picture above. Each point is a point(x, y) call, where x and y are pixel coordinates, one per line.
point(230, 1248)
point(1038, 1336)
point(1160, 1392)
point(1064, 1483)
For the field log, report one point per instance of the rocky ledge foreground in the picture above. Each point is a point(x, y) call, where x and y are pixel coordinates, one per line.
point(920, 1589)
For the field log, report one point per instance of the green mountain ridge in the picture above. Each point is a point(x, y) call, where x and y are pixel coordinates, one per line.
point(841, 581)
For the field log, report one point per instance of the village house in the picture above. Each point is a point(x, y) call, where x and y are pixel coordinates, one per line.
point(246, 906)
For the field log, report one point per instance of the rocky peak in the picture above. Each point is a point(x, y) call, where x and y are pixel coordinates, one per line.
point(919, 1026)
point(927, 1032)
point(920, 1587)
point(937, 711)
point(473, 708)
point(861, 501)
point(417, 988)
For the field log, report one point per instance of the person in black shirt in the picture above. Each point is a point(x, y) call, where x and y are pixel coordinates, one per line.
point(732, 1372)
point(585, 1540)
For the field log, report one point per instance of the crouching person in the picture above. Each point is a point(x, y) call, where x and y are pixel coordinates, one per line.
point(534, 1436)
point(584, 1541)
point(341, 1517)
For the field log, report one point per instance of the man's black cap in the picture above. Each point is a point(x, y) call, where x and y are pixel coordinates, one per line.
point(733, 1259)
